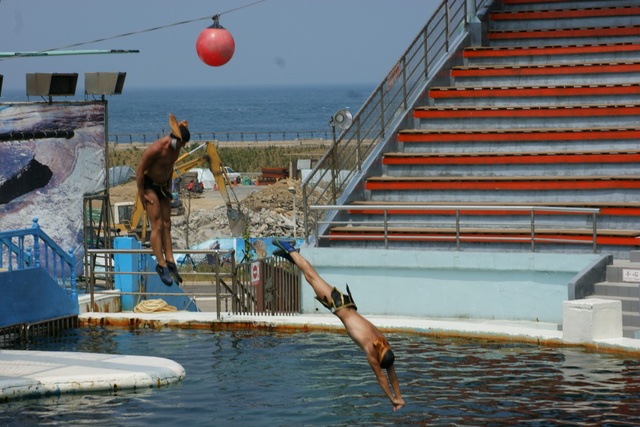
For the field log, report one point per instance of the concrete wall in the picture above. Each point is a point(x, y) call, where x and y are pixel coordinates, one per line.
point(511, 286)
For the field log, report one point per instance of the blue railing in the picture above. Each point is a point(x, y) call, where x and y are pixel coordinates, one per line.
point(32, 248)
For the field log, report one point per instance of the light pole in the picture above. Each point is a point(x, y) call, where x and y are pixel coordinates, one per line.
point(292, 190)
point(343, 120)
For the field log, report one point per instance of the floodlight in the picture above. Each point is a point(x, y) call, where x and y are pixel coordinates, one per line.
point(342, 119)
point(51, 84)
point(104, 83)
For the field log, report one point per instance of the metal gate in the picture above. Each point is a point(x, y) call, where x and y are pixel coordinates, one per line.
point(267, 286)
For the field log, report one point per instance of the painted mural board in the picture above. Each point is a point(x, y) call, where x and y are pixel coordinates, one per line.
point(51, 154)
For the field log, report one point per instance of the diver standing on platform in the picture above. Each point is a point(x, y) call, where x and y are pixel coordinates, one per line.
point(153, 178)
point(361, 331)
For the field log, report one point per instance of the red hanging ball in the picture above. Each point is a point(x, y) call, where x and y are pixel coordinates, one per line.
point(215, 45)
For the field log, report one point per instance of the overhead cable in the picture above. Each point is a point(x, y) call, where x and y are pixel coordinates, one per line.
point(133, 33)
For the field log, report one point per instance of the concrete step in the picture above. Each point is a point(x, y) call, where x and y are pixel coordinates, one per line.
point(567, 53)
point(484, 234)
point(560, 17)
point(562, 4)
point(624, 271)
point(586, 34)
point(509, 164)
point(625, 292)
point(549, 94)
point(631, 319)
point(611, 217)
point(549, 122)
point(477, 246)
point(526, 116)
point(622, 209)
point(497, 183)
point(629, 304)
point(511, 157)
point(542, 74)
point(385, 193)
point(511, 169)
point(517, 146)
point(520, 134)
point(631, 332)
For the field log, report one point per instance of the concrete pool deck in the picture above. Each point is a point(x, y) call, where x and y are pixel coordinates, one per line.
point(51, 373)
point(539, 333)
point(38, 373)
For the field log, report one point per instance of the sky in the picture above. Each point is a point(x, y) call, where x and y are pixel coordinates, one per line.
point(277, 42)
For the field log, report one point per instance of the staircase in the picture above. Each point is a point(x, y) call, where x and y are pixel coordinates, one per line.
point(622, 283)
point(38, 282)
point(545, 115)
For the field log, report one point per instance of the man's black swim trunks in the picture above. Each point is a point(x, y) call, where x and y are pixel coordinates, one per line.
point(161, 190)
point(339, 300)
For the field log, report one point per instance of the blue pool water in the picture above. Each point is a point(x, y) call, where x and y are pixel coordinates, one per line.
point(293, 379)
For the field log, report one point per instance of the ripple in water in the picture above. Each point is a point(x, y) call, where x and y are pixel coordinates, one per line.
point(256, 378)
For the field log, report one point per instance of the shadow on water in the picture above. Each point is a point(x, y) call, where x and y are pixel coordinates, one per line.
point(262, 378)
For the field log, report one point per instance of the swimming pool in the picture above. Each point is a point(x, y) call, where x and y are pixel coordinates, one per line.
point(317, 378)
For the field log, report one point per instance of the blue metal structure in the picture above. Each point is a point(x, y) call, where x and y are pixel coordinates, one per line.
point(37, 277)
point(133, 284)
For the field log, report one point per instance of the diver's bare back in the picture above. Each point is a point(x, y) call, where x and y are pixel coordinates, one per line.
point(361, 331)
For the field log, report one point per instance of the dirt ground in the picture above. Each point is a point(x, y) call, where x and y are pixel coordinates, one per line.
point(254, 197)
point(268, 211)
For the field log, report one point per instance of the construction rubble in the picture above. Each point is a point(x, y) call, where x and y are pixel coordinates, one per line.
point(268, 213)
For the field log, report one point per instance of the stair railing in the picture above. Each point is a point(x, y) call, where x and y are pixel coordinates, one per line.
point(413, 230)
point(16, 254)
point(384, 109)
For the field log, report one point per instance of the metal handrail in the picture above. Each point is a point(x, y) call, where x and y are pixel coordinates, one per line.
point(456, 224)
point(218, 275)
point(245, 297)
point(384, 109)
point(258, 136)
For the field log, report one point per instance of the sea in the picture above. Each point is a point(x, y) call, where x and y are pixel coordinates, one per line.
point(225, 109)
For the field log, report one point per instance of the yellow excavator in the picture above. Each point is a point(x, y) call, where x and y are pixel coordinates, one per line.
point(132, 218)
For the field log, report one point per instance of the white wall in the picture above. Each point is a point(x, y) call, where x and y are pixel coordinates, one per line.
point(513, 286)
